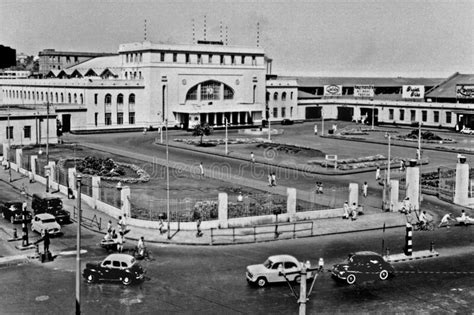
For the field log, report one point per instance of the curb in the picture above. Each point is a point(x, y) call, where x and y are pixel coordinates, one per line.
point(14, 260)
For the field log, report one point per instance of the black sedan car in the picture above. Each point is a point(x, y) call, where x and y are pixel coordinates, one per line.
point(363, 266)
point(287, 122)
point(116, 267)
point(11, 211)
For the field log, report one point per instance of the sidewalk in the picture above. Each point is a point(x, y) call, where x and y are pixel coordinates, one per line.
point(220, 236)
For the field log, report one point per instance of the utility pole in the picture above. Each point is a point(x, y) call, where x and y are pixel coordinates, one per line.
point(9, 135)
point(78, 253)
point(373, 115)
point(226, 140)
point(269, 129)
point(47, 145)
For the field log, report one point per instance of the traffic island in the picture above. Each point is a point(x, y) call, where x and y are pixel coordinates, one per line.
point(422, 254)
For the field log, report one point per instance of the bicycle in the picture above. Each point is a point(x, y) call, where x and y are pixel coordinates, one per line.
point(420, 226)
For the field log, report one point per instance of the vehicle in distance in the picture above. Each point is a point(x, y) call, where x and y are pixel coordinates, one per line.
point(467, 131)
point(363, 266)
point(11, 210)
point(45, 221)
point(287, 122)
point(115, 267)
point(45, 203)
point(269, 271)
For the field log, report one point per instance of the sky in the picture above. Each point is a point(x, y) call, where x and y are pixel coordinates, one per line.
point(411, 38)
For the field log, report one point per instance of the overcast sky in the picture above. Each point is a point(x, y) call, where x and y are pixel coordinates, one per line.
point(317, 38)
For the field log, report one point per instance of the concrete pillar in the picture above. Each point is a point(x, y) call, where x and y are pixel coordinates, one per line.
point(6, 149)
point(413, 184)
point(222, 208)
point(394, 193)
point(95, 188)
point(461, 190)
point(33, 159)
point(71, 177)
point(353, 194)
point(52, 173)
point(125, 200)
point(18, 155)
point(291, 203)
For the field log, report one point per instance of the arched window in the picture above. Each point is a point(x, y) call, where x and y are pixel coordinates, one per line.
point(126, 75)
point(37, 96)
point(51, 96)
point(81, 98)
point(131, 99)
point(291, 95)
point(267, 96)
point(42, 96)
point(69, 98)
point(254, 95)
point(57, 100)
point(75, 98)
point(135, 75)
point(275, 96)
point(283, 96)
point(29, 95)
point(120, 99)
point(62, 98)
point(108, 99)
point(210, 90)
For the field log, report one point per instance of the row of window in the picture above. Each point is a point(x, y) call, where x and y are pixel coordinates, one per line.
point(424, 115)
point(68, 59)
point(283, 112)
point(137, 57)
point(26, 132)
point(108, 118)
point(133, 75)
point(119, 99)
point(283, 96)
point(210, 90)
point(45, 96)
point(210, 58)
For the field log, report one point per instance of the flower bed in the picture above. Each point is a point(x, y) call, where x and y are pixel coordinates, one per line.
point(219, 141)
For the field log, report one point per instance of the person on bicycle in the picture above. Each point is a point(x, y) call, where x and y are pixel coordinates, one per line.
point(423, 219)
point(445, 220)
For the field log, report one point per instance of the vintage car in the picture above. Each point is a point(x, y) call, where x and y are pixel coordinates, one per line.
point(287, 122)
point(467, 131)
point(362, 266)
point(269, 271)
point(47, 203)
point(115, 267)
point(11, 210)
point(45, 221)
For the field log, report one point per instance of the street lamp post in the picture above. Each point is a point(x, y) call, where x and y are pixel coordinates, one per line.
point(167, 180)
point(9, 135)
point(47, 144)
point(226, 138)
point(373, 115)
point(322, 121)
point(269, 130)
point(78, 249)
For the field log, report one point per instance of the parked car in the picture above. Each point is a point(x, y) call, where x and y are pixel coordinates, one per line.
point(287, 122)
point(115, 267)
point(45, 221)
point(467, 131)
point(46, 203)
point(12, 211)
point(363, 266)
point(269, 271)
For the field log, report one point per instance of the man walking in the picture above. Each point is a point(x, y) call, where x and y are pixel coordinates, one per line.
point(377, 173)
point(346, 210)
point(273, 179)
point(252, 157)
point(201, 169)
point(365, 187)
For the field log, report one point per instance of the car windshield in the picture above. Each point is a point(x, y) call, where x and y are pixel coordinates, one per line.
point(48, 220)
point(268, 263)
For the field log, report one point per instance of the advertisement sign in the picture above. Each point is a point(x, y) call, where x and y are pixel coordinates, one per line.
point(364, 91)
point(413, 91)
point(465, 91)
point(333, 90)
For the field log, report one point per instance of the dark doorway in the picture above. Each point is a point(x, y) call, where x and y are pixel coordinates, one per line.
point(66, 121)
point(345, 113)
point(313, 112)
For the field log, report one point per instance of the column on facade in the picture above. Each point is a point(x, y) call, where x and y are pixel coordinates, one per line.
point(222, 210)
point(221, 92)
point(461, 189)
point(126, 109)
point(238, 118)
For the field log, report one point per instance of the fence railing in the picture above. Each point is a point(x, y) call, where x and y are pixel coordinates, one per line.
point(88, 222)
point(262, 233)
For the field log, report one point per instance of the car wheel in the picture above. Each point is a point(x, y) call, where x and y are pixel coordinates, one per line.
point(91, 278)
point(383, 275)
point(351, 279)
point(126, 280)
point(261, 282)
point(298, 279)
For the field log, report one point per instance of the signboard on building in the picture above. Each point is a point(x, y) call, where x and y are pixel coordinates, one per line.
point(413, 91)
point(465, 91)
point(333, 90)
point(364, 91)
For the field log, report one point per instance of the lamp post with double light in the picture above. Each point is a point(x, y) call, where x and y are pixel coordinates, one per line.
point(78, 249)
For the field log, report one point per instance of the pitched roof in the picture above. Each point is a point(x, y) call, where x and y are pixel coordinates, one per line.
point(447, 88)
point(101, 63)
point(351, 81)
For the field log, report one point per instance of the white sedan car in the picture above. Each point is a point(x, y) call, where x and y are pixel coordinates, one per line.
point(467, 131)
point(45, 221)
point(269, 271)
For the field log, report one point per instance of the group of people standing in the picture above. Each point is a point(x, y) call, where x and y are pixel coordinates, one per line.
point(350, 212)
point(271, 179)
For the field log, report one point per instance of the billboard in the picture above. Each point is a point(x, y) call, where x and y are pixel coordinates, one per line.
point(413, 91)
point(333, 90)
point(364, 91)
point(465, 91)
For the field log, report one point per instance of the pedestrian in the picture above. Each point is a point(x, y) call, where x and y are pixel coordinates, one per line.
point(31, 177)
point(198, 228)
point(402, 165)
point(252, 157)
point(120, 241)
point(354, 211)
point(160, 226)
point(445, 220)
point(109, 226)
point(320, 188)
point(46, 241)
point(365, 187)
point(119, 225)
point(315, 129)
point(201, 169)
point(124, 224)
point(346, 210)
point(273, 179)
point(70, 193)
point(377, 173)
point(269, 179)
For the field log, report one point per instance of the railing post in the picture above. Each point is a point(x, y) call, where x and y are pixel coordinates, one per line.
point(312, 226)
point(294, 230)
point(233, 234)
point(255, 234)
point(212, 235)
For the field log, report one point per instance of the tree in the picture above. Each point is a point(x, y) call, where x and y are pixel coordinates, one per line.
point(202, 130)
